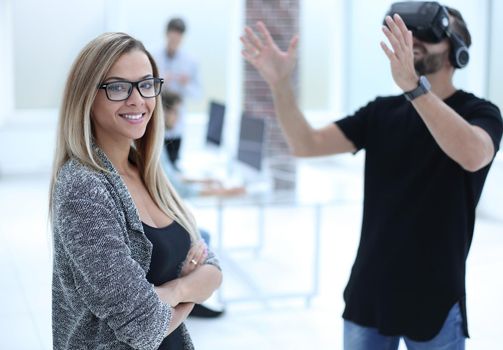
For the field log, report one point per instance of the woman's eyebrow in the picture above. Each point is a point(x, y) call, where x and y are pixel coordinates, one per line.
point(121, 78)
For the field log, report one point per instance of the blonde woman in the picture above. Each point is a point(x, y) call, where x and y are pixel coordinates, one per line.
point(119, 228)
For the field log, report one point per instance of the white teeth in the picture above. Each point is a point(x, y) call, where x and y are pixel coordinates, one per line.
point(132, 116)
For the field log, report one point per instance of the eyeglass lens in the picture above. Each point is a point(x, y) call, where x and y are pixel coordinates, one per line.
point(121, 90)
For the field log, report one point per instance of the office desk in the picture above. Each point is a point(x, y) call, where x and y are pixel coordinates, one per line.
point(261, 202)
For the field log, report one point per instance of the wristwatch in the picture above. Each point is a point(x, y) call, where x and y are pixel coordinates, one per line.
point(422, 88)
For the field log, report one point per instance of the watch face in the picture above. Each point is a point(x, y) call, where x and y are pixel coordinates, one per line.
point(423, 81)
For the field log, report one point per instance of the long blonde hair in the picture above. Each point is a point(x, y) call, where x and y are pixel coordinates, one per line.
point(75, 130)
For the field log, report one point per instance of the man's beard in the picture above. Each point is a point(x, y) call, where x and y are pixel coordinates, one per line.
point(430, 63)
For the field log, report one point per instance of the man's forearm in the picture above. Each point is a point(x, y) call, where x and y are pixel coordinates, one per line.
point(299, 134)
point(468, 145)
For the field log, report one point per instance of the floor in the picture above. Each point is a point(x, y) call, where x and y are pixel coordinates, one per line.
point(282, 266)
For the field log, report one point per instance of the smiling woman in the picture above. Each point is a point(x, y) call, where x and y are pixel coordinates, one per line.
point(115, 216)
point(119, 110)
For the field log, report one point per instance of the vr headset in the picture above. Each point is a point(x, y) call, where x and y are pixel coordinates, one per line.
point(429, 22)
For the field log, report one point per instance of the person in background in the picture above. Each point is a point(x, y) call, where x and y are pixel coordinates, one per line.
point(128, 260)
point(190, 188)
point(427, 154)
point(180, 73)
point(185, 186)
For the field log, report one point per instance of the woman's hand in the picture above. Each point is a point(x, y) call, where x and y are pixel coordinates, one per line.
point(170, 292)
point(180, 314)
point(195, 258)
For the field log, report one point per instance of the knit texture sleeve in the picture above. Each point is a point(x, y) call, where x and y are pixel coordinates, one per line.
point(211, 259)
point(108, 280)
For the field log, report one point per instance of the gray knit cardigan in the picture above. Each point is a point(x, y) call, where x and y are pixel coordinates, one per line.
point(101, 298)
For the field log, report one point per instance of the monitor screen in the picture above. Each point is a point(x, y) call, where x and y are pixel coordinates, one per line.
point(251, 141)
point(215, 123)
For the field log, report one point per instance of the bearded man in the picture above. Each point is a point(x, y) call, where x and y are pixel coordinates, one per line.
point(427, 155)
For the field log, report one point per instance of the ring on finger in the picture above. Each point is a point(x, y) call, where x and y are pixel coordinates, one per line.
point(193, 261)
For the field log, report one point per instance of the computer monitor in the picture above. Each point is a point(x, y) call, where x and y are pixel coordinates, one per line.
point(215, 123)
point(251, 141)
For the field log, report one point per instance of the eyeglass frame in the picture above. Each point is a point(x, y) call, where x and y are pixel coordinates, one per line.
point(134, 84)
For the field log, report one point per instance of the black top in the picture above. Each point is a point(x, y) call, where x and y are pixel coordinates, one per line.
point(170, 246)
point(418, 217)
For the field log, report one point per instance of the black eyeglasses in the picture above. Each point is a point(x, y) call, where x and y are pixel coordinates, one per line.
point(122, 89)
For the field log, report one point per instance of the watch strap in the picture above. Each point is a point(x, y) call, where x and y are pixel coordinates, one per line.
point(422, 88)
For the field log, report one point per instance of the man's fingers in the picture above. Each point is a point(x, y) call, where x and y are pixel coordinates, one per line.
point(248, 46)
point(248, 57)
point(410, 41)
point(403, 28)
point(393, 28)
point(392, 40)
point(292, 48)
point(265, 33)
point(388, 52)
point(250, 52)
point(253, 39)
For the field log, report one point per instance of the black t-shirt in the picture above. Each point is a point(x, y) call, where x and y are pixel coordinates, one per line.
point(418, 217)
point(170, 246)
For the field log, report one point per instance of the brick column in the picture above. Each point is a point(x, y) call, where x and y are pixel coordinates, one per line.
point(282, 19)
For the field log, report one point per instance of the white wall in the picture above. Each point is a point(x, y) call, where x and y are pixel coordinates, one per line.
point(490, 203)
point(6, 63)
point(47, 37)
point(43, 38)
point(495, 75)
point(320, 58)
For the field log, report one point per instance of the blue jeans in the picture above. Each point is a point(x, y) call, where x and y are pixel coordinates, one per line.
point(450, 337)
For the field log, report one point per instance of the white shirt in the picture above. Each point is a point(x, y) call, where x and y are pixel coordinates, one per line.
point(179, 64)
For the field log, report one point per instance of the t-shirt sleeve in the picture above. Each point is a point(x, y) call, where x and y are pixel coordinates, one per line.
point(487, 116)
point(355, 127)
